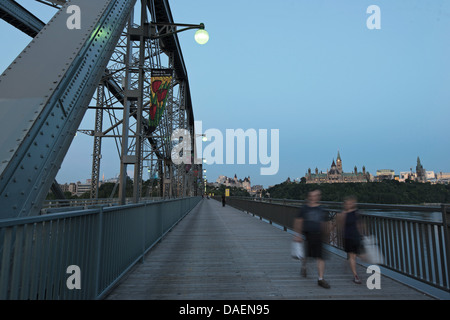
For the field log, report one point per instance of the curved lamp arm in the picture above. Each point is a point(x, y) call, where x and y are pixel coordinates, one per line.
point(171, 28)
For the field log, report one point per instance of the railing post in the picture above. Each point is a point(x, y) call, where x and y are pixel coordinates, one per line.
point(160, 212)
point(445, 222)
point(144, 226)
point(99, 252)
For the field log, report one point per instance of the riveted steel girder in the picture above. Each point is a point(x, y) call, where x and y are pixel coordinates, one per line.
point(19, 17)
point(44, 94)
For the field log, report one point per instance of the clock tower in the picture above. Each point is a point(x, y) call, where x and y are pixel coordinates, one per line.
point(339, 163)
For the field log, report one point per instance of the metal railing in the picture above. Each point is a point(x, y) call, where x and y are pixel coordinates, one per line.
point(414, 240)
point(50, 206)
point(104, 243)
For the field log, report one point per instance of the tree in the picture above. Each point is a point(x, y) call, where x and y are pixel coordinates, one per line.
point(387, 191)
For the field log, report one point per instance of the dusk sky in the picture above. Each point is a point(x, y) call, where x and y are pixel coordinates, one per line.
point(313, 70)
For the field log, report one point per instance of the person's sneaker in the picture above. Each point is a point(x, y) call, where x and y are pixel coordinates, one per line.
point(323, 284)
point(356, 280)
point(303, 272)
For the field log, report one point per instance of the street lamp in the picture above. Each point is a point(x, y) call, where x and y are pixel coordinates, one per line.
point(201, 36)
point(167, 29)
point(204, 137)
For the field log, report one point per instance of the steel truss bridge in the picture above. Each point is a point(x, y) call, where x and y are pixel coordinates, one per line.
point(105, 66)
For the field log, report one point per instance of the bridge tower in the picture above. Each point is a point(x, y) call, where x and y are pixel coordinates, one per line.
point(127, 78)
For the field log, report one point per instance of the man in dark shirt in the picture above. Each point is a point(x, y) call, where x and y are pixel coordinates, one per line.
point(310, 222)
point(350, 222)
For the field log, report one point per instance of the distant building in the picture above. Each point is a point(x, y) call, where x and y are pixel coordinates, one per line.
point(83, 187)
point(385, 174)
point(78, 188)
point(430, 176)
point(234, 182)
point(421, 175)
point(406, 175)
point(69, 187)
point(443, 177)
point(337, 175)
point(256, 190)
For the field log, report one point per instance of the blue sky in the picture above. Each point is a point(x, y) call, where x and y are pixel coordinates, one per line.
point(313, 70)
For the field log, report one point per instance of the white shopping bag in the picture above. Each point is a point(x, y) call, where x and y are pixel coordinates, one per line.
point(371, 252)
point(297, 250)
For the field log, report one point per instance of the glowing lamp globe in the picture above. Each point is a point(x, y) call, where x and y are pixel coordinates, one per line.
point(201, 36)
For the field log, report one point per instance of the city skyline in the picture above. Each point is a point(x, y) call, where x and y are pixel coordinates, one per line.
point(292, 177)
point(326, 81)
point(314, 71)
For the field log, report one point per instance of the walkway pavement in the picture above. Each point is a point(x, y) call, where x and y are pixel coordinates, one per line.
point(221, 253)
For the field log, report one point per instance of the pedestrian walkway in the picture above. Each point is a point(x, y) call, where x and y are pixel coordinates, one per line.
point(223, 253)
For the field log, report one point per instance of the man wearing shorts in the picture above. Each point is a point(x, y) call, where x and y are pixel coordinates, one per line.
point(310, 222)
point(350, 222)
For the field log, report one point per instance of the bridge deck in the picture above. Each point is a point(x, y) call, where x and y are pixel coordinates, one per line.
point(222, 253)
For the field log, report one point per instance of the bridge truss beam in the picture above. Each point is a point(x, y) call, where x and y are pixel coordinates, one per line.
point(127, 108)
point(42, 104)
point(58, 113)
point(21, 18)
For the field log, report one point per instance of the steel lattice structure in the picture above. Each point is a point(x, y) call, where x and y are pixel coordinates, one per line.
point(109, 61)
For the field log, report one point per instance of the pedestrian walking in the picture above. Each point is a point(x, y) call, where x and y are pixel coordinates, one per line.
point(352, 228)
point(223, 200)
point(311, 223)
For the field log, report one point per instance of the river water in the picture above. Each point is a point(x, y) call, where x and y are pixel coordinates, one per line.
point(414, 215)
